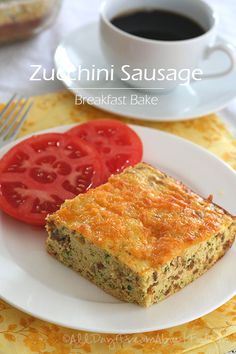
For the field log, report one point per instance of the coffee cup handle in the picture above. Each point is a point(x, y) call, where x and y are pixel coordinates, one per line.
point(229, 51)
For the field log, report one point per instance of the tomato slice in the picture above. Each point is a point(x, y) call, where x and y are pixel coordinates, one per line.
point(39, 173)
point(118, 144)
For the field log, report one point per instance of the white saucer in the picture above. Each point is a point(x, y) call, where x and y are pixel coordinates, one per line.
point(36, 283)
point(82, 47)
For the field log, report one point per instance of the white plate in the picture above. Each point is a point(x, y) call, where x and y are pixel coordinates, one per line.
point(82, 47)
point(36, 283)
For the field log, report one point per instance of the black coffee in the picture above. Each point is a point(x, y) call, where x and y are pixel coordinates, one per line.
point(158, 24)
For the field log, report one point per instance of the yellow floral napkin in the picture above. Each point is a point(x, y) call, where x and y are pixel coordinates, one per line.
point(211, 334)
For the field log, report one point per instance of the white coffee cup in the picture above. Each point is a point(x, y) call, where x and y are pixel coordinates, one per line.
point(121, 48)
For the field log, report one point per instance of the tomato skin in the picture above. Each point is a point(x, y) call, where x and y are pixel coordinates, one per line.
point(115, 141)
point(39, 173)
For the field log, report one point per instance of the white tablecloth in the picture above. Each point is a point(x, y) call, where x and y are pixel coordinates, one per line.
point(15, 60)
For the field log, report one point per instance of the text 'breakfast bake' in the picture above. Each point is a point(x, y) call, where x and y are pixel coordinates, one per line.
point(140, 237)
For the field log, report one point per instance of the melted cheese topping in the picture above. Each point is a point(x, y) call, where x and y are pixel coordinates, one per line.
point(143, 217)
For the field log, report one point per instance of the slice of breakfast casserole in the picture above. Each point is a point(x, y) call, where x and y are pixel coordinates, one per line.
point(140, 237)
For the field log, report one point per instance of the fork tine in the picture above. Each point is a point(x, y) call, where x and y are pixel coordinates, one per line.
point(21, 122)
point(10, 116)
point(14, 119)
point(3, 111)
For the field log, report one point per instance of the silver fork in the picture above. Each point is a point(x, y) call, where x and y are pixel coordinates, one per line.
point(12, 118)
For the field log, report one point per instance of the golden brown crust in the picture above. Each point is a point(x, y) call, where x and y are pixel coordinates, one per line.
point(210, 198)
point(21, 19)
point(143, 217)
